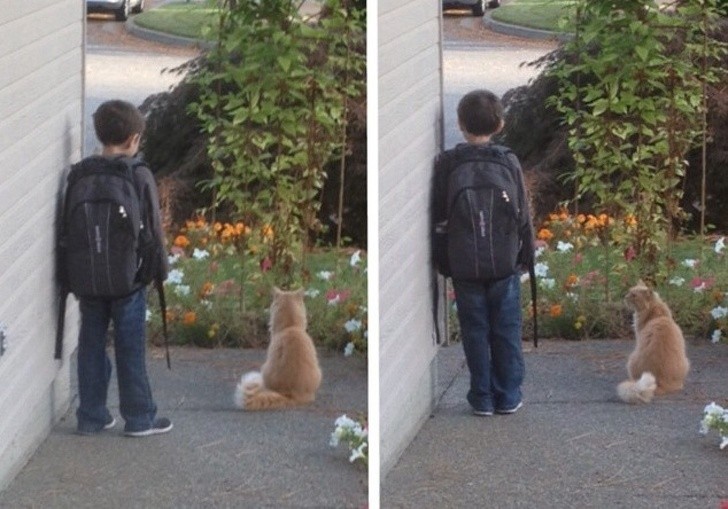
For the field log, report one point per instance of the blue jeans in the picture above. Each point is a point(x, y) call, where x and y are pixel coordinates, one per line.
point(490, 324)
point(136, 405)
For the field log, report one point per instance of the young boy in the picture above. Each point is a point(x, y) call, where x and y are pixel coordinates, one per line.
point(119, 127)
point(488, 307)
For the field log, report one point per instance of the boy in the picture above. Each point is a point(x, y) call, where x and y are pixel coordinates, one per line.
point(119, 126)
point(487, 297)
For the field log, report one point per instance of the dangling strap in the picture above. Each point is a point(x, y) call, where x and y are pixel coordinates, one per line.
point(63, 295)
point(532, 277)
point(163, 308)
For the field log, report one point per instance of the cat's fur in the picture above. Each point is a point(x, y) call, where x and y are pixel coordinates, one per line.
point(290, 374)
point(658, 364)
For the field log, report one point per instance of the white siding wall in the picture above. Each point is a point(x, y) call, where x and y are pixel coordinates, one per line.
point(410, 99)
point(41, 104)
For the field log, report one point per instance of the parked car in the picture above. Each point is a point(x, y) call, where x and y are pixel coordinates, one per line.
point(120, 8)
point(477, 6)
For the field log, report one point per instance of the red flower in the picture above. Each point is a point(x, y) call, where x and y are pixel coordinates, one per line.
point(699, 284)
point(630, 254)
point(336, 296)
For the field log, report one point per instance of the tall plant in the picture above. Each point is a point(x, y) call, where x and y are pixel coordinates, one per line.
point(272, 104)
point(632, 98)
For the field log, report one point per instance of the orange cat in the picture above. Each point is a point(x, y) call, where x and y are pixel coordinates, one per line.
point(290, 374)
point(658, 364)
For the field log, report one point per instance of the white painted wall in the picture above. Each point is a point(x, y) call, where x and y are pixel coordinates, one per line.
point(41, 106)
point(410, 98)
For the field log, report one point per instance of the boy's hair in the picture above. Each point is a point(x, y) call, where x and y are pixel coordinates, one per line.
point(480, 112)
point(115, 121)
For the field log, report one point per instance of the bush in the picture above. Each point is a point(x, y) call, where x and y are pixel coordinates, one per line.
point(584, 268)
point(218, 290)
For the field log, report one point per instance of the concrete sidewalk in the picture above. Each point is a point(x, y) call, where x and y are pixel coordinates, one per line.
point(573, 444)
point(216, 456)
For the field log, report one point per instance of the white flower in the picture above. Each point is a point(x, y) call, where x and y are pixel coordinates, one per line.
point(206, 303)
point(717, 334)
point(358, 453)
point(182, 290)
point(172, 259)
point(335, 300)
point(541, 270)
point(325, 275)
point(719, 312)
point(564, 247)
point(352, 325)
point(690, 263)
point(539, 251)
point(548, 283)
point(200, 254)
point(525, 277)
point(148, 316)
point(677, 281)
point(345, 422)
point(719, 245)
point(312, 292)
point(349, 349)
point(355, 259)
point(175, 276)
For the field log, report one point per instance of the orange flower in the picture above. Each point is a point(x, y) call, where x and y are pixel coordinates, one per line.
point(181, 241)
point(555, 310)
point(630, 220)
point(581, 219)
point(604, 220)
point(207, 289)
point(189, 318)
point(545, 234)
point(563, 215)
point(572, 280)
point(240, 228)
point(171, 315)
point(267, 231)
point(217, 226)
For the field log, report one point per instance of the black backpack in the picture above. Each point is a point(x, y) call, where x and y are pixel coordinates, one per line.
point(476, 230)
point(106, 241)
point(106, 244)
point(479, 237)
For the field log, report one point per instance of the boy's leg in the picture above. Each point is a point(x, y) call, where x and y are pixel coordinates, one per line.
point(135, 395)
point(94, 367)
point(507, 367)
point(470, 298)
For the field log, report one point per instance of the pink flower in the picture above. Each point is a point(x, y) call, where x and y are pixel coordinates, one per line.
point(578, 258)
point(227, 287)
point(337, 296)
point(177, 251)
point(266, 264)
point(630, 254)
point(699, 284)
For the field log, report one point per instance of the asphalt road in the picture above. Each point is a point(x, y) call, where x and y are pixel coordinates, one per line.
point(120, 66)
point(474, 57)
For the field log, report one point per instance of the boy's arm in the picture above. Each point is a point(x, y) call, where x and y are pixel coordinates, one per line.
point(150, 197)
point(525, 229)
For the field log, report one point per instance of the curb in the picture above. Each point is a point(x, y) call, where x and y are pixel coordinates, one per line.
point(163, 38)
point(523, 32)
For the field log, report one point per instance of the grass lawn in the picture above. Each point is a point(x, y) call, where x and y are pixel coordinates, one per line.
point(541, 14)
point(185, 19)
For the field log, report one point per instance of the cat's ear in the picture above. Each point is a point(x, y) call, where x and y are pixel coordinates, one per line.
point(276, 291)
point(641, 283)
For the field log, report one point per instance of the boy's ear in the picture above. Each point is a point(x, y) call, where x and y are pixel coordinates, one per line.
point(500, 127)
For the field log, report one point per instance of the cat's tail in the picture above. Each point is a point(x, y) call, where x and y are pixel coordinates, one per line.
point(638, 391)
point(251, 394)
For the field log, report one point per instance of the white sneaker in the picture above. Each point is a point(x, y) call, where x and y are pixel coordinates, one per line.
point(161, 425)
